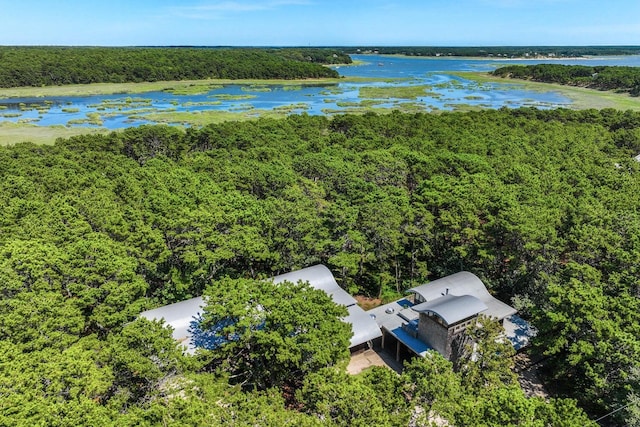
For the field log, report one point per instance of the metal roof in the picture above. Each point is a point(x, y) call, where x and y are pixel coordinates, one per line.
point(364, 327)
point(451, 308)
point(392, 316)
point(319, 277)
point(464, 283)
point(181, 315)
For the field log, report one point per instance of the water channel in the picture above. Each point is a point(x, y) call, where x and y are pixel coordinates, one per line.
point(408, 84)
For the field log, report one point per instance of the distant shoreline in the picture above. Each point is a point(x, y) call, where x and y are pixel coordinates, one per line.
point(582, 98)
point(499, 58)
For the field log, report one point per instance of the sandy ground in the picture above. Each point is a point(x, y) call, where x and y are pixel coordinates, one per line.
point(363, 360)
point(528, 377)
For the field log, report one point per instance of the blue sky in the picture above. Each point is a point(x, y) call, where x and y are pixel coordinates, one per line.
point(320, 22)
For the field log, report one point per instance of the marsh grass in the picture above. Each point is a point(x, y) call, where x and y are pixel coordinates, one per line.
point(200, 103)
point(245, 106)
point(255, 88)
point(399, 92)
point(331, 91)
point(130, 113)
point(371, 98)
point(178, 87)
point(241, 112)
point(30, 120)
point(407, 107)
point(128, 102)
point(230, 97)
point(291, 108)
point(13, 133)
point(464, 107)
point(363, 103)
point(193, 89)
point(582, 98)
point(200, 118)
point(92, 119)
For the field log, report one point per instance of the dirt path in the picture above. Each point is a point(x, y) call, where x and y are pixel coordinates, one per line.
point(527, 371)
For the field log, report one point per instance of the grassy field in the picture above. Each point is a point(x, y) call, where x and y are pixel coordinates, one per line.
point(179, 87)
point(12, 133)
point(582, 98)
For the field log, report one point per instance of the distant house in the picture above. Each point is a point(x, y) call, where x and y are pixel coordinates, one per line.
point(438, 312)
point(183, 315)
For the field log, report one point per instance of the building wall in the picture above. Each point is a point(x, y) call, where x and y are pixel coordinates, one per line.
point(431, 331)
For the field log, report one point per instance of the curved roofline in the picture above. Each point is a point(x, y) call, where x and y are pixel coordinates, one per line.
point(452, 309)
point(461, 283)
point(319, 277)
point(464, 283)
point(180, 315)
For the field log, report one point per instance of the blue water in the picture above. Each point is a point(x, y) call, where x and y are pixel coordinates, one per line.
point(444, 92)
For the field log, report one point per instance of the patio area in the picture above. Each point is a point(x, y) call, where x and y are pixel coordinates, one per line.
point(372, 357)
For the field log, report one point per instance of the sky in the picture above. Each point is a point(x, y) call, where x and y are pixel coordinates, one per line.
point(320, 22)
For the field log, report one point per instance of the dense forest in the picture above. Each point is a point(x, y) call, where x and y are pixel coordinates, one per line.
point(47, 66)
point(317, 55)
point(504, 51)
point(542, 205)
point(618, 78)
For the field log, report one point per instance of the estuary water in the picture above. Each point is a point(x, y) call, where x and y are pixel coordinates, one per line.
point(389, 82)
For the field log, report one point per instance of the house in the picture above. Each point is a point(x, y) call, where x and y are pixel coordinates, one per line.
point(438, 312)
point(430, 318)
point(181, 316)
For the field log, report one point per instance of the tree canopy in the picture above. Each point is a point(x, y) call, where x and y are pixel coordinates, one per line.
point(51, 66)
point(541, 205)
point(619, 78)
point(267, 335)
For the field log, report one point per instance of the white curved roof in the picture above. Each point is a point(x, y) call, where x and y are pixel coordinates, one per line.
point(181, 314)
point(451, 308)
point(464, 283)
point(319, 277)
point(364, 326)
